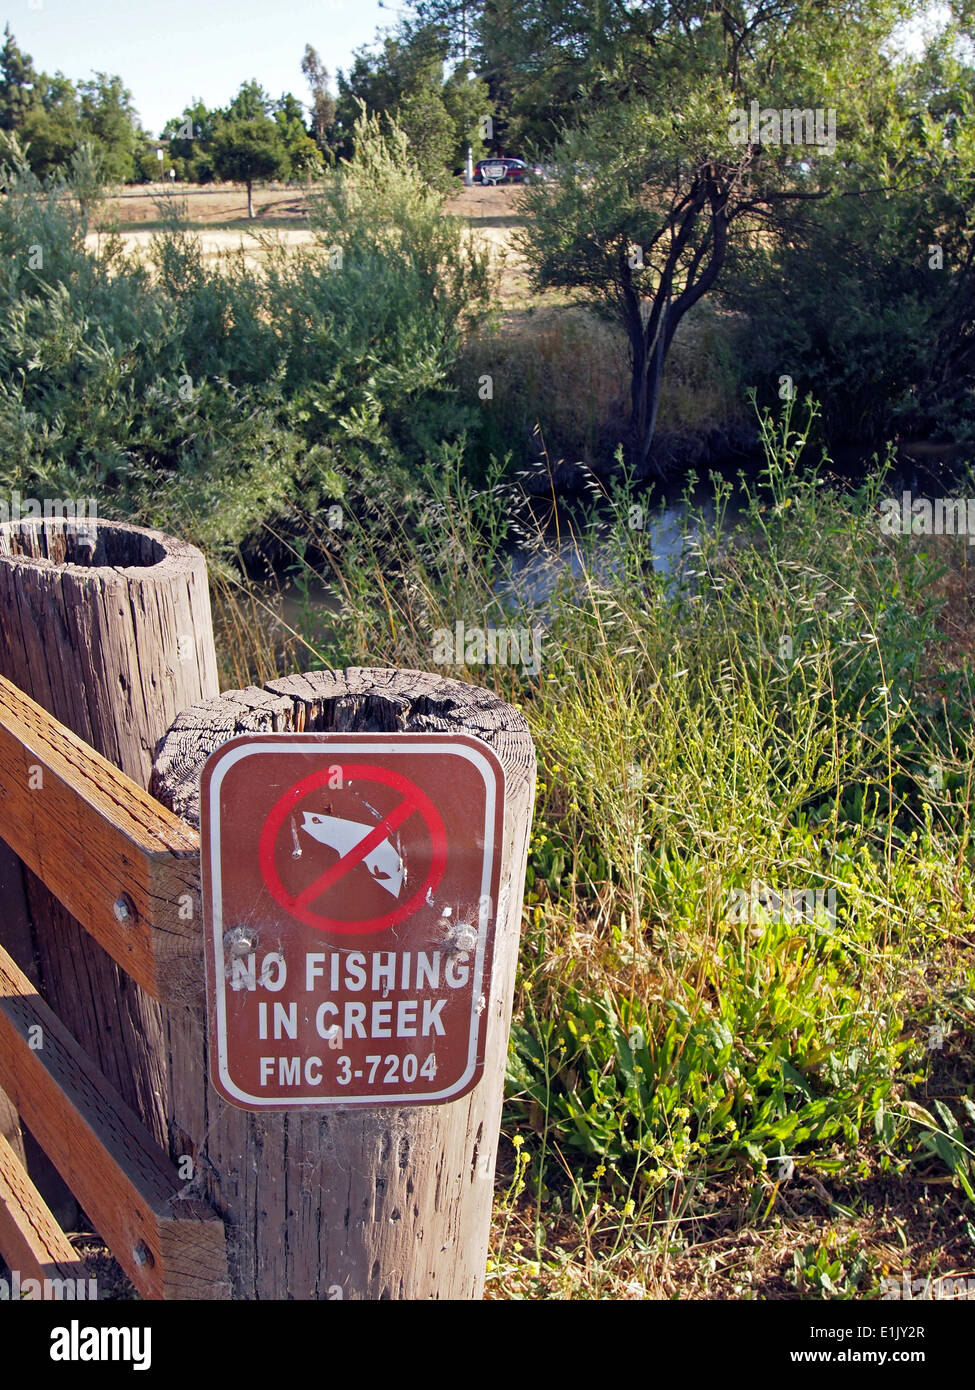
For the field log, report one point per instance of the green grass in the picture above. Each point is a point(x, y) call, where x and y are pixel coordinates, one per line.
point(776, 716)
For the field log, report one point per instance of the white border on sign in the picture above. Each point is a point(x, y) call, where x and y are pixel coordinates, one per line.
point(223, 766)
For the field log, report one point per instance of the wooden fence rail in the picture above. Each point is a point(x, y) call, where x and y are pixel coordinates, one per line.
point(113, 856)
point(124, 867)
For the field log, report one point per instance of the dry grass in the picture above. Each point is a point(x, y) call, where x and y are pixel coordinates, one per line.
point(956, 587)
point(727, 1251)
point(219, 214)
point(206, 205)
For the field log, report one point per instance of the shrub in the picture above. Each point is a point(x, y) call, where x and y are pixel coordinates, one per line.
point(219, 400)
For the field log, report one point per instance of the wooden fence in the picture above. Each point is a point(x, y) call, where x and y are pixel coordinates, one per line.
point(121, 864)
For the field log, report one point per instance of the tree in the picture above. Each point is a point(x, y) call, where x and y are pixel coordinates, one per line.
point(52, 128)
point(190, 139)
point(404, 79)
point(659, 194)
point(459, 20)
point(407, 61)
point(109, 121)
point(41, 111)
point(245, 149)
point(890, 349)
point(18, 94)
point(52, 119)
point(424, 119)
point(322, 101)
point(468, 102)
point(302, 155)
point(540, 59)
point(250, 103)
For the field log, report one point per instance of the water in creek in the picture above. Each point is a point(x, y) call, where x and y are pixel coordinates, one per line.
point(564, 539)
point(568, 539)
point(560, 544)
point(570, 544)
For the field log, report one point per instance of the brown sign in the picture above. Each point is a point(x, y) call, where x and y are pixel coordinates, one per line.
point(350, 888)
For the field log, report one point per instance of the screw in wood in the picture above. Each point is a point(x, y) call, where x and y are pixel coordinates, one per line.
point(124, 909)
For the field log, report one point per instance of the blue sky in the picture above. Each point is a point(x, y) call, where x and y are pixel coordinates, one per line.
point(169, 52)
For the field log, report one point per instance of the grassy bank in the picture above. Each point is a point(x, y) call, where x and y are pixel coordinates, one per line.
point(717, 1085)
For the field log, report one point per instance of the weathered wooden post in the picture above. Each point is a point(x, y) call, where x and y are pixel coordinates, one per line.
point(107, 626)
point(339, 985)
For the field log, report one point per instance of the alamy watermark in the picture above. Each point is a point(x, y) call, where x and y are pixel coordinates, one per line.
point(761, 906)
point(77, 1343)
point(923, 516)
point(766, 125)
point(954, 1287)
point(17, 1287)
point(80, 514)
point(494, 646)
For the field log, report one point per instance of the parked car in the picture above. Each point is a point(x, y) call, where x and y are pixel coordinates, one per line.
point(500, 171)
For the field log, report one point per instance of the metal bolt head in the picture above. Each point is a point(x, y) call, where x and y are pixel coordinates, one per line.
point(464, 939)
point(142, 1254)
point(123, 909)
point(240, 941)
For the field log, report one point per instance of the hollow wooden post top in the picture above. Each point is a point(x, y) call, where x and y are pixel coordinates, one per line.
point(109, 551)
point(356, 700)
point(108, 627)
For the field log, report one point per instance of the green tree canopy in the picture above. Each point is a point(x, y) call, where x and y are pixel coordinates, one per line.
point(18, 84)
point(322, 101)
point(404, 79)
point(246, 149)
point(303, 157)
point(51, 118)
point(878, 321)
point(109, 121)
point(52, 127)
point(250, 103)
point(468, 102)
point(190, 137)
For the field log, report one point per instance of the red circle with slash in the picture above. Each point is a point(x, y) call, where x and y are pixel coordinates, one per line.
point(413, 801)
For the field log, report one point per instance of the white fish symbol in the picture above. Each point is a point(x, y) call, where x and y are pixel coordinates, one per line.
point(383, 862)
